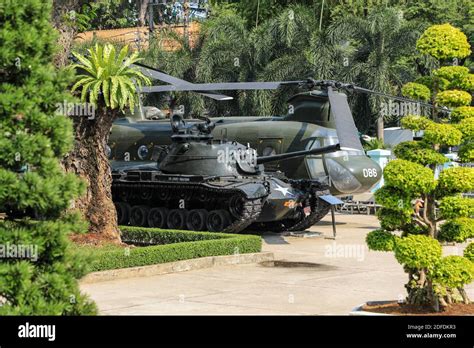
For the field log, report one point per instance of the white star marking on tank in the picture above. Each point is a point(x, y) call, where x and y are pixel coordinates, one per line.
point(283, 190)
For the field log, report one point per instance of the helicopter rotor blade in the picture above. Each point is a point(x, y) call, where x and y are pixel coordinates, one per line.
point(402, 99)
point(227, 86)
point(159, 75)
point(346, 129)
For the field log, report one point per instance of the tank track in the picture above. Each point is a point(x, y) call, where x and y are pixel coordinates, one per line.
point(248, 214)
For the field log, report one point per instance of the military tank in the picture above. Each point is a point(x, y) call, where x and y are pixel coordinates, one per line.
point(199, 183)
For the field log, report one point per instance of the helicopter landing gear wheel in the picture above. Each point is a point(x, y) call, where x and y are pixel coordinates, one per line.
point(157, 217)
point(139, 215)
point(218, 220)
point(237, 206)
point(123, 212)
point(177, 219)
point(197, 220)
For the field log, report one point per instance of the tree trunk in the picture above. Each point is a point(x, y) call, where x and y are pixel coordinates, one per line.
point(64, 24)
point(380, 127)
point(142, 7)
point(89, 161)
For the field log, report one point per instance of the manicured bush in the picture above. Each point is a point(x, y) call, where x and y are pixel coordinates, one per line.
point(417, 251)
point(454, 98)
point(466, 83)
point(171, 246)
point(392, 198)
point(415, 123)
point(380, 240)
point(416, 91)
point(457, 230)
point(462, 112)
point(466, 152)
point(442, 134)
point(453, 271)
point(452, 73)
point(419, 152)
point(456, 206)
point(410, 177)
point(392, 220)
point(466, 127)
point(456, 180)
point(434, 83)
point(444, 42)
point(469, 252)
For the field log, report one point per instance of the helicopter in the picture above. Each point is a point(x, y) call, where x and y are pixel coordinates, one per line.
point(317, 117)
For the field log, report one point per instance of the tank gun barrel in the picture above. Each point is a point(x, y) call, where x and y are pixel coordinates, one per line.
point(317, 151)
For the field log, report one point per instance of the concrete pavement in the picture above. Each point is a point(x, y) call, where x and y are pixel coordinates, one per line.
point(311, 276)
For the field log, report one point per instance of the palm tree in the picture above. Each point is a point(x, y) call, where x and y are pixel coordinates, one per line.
point(109, 83)
point(381, 39)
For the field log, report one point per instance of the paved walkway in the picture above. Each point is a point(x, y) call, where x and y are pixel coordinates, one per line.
point(312, 276)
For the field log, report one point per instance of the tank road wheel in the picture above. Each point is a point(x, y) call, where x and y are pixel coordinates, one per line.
point(157, 217)
point(123, 212)
point(124, 195)
point(164, 194)
point(237, 206)
point(203, 196)
point(139, 215)
point(218, 220)
point(177, 219)
point(197, 220)
point(146, 195)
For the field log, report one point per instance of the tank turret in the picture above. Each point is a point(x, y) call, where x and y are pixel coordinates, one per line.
point(194, 151)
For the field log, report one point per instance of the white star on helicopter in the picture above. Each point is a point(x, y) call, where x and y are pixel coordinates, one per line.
point(283, 190)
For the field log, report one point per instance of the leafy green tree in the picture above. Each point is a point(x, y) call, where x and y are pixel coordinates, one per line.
point(433, 279)
point(34, 191)
point(108, 82)
point(381, 40)
point(449, 85)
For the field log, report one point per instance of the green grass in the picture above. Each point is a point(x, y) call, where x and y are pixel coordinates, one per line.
point(161, 246)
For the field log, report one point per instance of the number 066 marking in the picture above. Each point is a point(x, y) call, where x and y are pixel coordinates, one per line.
point(369, 172)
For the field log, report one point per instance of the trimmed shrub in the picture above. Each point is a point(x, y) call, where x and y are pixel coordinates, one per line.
point(453, 207)
point(434, 83)
point(453, 272)
point(392, 220)
point(456, 180)
point(454, 98)
point(418, 152)
point(417, 251)
point(416, 91)
point(410, 177)
point(380, 240)
point(451, 73)
point(392, 198)
point(466, 127)
point(443, 134)
point(457, 230)
point(466, 152)
point(466, 83)
point(461, 113)
point(415, 123)
point(444, 42)
point(469, 252)
point(171, 246)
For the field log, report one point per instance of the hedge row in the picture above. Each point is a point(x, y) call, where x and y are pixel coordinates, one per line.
point(169, 246)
